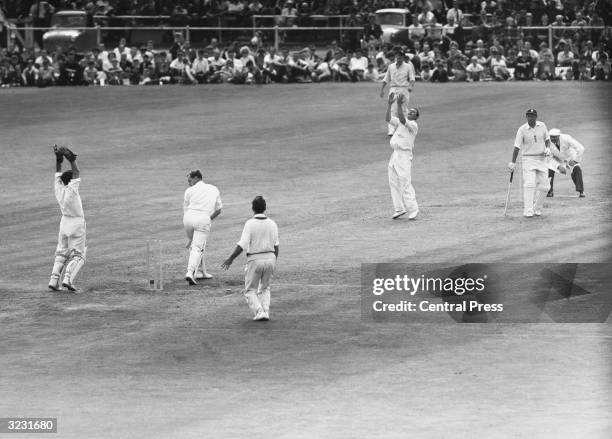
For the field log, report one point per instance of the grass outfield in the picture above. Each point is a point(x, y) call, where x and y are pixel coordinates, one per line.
point(118, 361)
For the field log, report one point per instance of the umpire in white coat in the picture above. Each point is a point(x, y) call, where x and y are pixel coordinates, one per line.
point(405, 130)
point(570, 156)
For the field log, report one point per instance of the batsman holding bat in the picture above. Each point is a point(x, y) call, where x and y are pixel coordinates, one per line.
point(533, 142)
point(71, 250)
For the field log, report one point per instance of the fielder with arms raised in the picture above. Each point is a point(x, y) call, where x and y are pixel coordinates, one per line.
point(534, 144)
point(405, 130)
point(570, 156)
point(70, 251)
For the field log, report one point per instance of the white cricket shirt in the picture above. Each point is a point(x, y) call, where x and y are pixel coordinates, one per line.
point(360, 63)
point(202, 197)
point(403, 135)
point(260, 235)
point(68, 197)
point(399, 76)
point(570, 148)
point(531, 141)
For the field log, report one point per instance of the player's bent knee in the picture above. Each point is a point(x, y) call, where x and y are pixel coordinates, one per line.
point(62, 253)
point(544, 187)
point(75, 254)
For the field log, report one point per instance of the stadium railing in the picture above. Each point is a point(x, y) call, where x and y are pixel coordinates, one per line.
point(279, 35)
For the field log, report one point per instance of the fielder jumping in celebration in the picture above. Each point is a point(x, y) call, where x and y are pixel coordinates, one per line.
point(260, 240)
point(404, 132)
point(401, 77)
point(570, 155)
point(201, 205)
point(533, 142)
point(70, 251)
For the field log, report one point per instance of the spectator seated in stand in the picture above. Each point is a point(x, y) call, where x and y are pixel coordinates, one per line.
point(200, 68)
point(546, 67)
point(90, 74)
point(358, 65)
point(578, 53)
point(499, 69)
point(440, 73)
point(322, 71)
point(474, 70)
point(523, 70)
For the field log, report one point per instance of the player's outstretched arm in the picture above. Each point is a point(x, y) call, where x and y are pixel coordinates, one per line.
point(400, 111)
point(59, 157)
point(228, 262)
point(215, 214)
point(512, 164)
point(382, 89)
point(390, 103)
point(76, 172)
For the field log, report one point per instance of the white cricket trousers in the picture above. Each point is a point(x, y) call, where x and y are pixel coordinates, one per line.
point(535, 183)
point(197, 228)
point(71, 249)
point(257, 276)
point(400, 183)
point(398, 91)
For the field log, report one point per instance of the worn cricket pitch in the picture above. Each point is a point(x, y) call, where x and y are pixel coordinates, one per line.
point(117, 361)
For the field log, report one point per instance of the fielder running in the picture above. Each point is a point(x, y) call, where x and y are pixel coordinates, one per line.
point(400, 77)
point(201, 205)
point(570, 156)
point(70, 251)
point(404, 132)
point(260, 240)
point(533, 142)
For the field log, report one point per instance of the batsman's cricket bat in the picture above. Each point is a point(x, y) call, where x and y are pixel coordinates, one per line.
point(508, 193)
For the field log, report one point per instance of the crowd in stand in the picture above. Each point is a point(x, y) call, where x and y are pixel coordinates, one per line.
point(536, 12)
point(439, 53)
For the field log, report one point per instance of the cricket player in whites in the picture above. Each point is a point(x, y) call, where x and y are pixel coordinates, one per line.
point(70, 251)
point(533, 142)
point(201, 205)
point(400, 77)
point(570, 156)
point(405, 130)
point(260, 240)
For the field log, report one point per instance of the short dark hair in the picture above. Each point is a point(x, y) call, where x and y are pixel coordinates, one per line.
point(66, 177)
point(259, 204)
point(195, 174)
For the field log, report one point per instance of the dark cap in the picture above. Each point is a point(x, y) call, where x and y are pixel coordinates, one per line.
point(531, 111)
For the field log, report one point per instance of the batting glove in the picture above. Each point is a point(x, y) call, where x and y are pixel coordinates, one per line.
point(547, 152)
point(511, 166)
